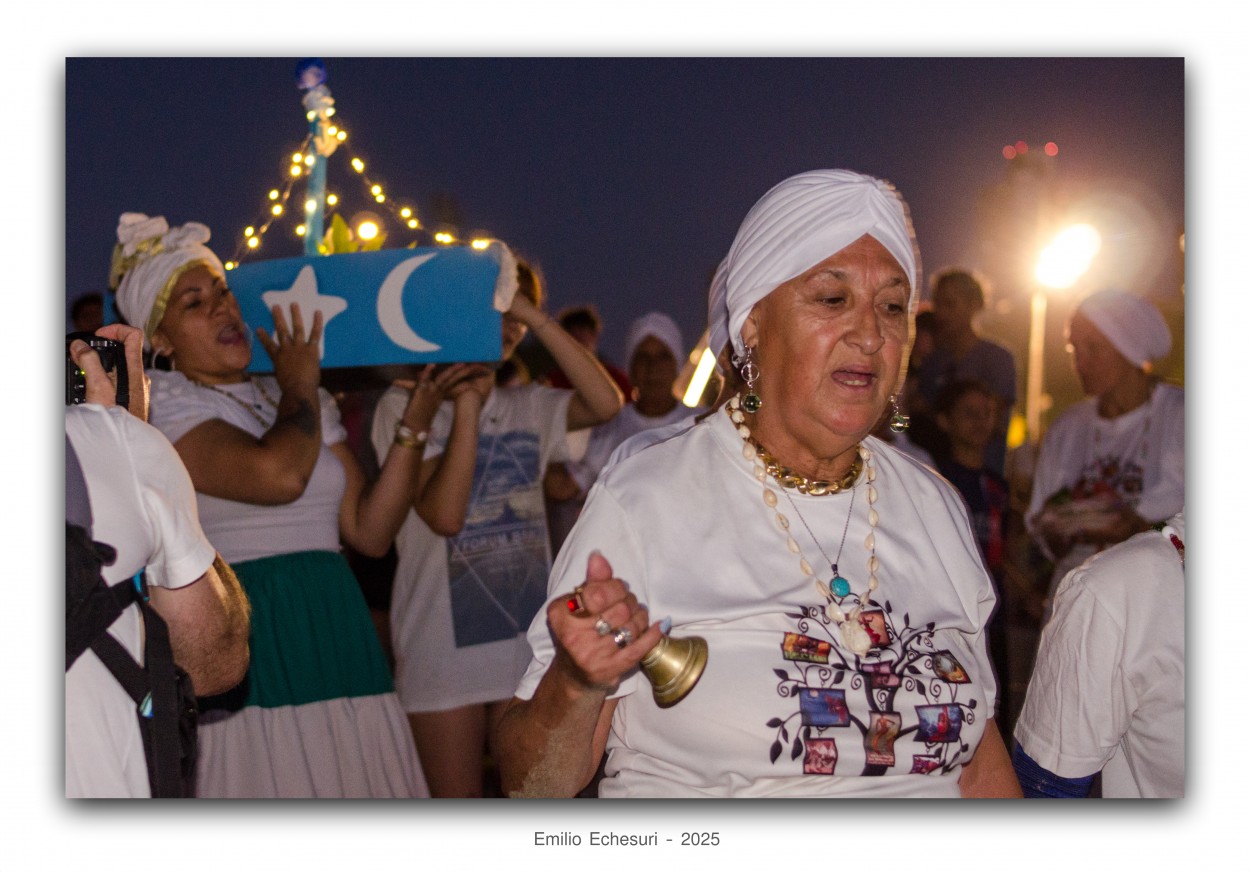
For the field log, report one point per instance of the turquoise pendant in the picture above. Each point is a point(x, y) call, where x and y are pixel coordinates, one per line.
point(840, 586)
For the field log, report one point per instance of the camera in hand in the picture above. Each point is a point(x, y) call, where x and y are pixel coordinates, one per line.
point(112, 358)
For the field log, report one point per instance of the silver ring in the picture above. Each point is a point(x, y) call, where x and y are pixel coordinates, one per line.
point(623, 637)
point(602, 627)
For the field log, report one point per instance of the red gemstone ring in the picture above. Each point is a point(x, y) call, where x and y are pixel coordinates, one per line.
point(574, 602)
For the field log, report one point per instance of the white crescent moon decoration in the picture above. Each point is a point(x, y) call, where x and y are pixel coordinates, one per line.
point(391, 307)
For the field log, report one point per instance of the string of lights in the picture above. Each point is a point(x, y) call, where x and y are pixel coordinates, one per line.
point(277, 205)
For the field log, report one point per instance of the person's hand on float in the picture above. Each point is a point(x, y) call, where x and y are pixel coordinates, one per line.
point(296, 357)
point(600, 629)
point(431, 387)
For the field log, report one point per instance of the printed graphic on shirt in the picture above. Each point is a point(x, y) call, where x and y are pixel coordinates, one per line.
point(907, 687)
point(821, 757)
point(822, 707)
point(497, 566)
point(883, 729)
point(796, 646)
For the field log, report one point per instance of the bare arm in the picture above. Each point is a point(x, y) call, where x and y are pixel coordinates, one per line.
point(596, 398)
point(989, 774)
point(209, 621)
point(446, 480)
point(556, 739)
point(230, 463)
point(370, 515)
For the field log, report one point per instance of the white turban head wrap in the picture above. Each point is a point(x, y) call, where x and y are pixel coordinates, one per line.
point(717, 313)
point(147, 262)
point(660, 326)
point(804, 220)
point(1131, 324)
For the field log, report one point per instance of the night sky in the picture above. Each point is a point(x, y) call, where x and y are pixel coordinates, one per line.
point(625, 179)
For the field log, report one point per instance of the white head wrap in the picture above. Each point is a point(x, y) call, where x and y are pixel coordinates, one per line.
point(804, 220)
point(147, 262)
point(717, 313)
point(660, 326)
point(1131, 324)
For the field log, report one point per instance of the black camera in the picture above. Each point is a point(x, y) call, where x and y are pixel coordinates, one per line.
point(112, 358)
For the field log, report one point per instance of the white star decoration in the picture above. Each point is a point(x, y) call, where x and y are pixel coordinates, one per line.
point(304, 292)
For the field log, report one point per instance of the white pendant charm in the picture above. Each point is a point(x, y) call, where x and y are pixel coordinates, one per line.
point(748, 451)
point(805, 566)
point(770, 498)
point(873, 517)
point(834, 613)
point(792, 545)
point(870, 541)
point(872, 495)
point(855, 637)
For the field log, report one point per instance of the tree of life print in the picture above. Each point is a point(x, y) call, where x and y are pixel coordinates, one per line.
point(904, 662)
point(497, 565)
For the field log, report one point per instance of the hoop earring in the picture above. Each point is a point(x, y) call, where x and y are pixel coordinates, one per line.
point(750, 372)
point(898, 421)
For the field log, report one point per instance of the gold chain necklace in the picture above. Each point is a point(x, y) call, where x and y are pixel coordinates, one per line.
point(787, 477)
point(250, 408)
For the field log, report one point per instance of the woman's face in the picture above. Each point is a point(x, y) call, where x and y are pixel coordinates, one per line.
point(653, 369)
point(202, 329)
point(1098, 365)
point(830, 345)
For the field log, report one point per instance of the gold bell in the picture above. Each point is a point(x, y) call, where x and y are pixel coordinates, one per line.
point(673, 667)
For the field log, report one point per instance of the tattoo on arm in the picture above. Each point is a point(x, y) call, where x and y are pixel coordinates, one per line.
point(303, 417)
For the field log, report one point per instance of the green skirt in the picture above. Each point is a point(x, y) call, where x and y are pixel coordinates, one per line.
point(312, 638)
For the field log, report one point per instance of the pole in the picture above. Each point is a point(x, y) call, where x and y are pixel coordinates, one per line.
point(319, 106)
point(1037, 349)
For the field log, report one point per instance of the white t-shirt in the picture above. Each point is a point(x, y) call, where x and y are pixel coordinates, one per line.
point(247, 531)
point(142, 504)
point(460, 606)
point(1140, 455)
point(782, 709)
point(605, 438)
point(1108, 687)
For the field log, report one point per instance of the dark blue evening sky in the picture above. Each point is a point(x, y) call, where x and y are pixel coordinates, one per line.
point(624, 178)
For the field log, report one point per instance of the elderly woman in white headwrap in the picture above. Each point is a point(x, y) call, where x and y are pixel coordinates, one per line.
point(653, 354)
point(1114, 463)
point(836, 581)
point(277, 487)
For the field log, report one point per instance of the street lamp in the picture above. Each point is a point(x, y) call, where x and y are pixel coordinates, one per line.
point(1059, 266)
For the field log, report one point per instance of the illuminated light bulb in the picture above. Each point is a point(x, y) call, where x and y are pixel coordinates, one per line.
point(358, 165)
point(273, 195)
point(310, 160)
point(481, 244)
point(375, 190)
point(445, 238)
point(381, 198)
point(310, 115)
point(332, 130)
point(1022, 147)
point(249, 231)
point(296, 170)
point(310, 205)
point(1068, 257)
point(405, 212)
point(297, 157)
point(329, 112)
point(277, 209)
point(301, 230)
point(341, 135)
point(253, 242)
point(332, 199)
point(1051, 149)
point(698, 381)
point(412, 223)
point(367, 230)
point(1009, 152)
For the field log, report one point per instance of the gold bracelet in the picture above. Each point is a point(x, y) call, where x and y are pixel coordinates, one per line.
point(405, 436)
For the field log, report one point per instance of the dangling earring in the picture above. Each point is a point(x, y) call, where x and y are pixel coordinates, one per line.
point(750, 374)
point(898, 421)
